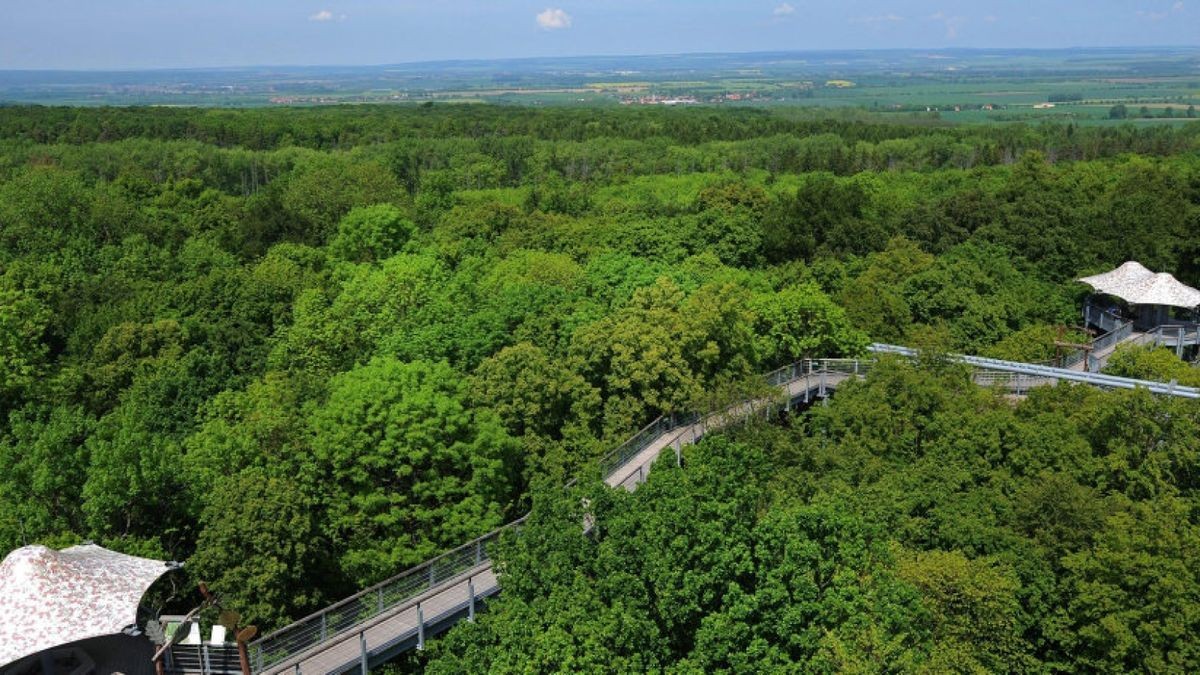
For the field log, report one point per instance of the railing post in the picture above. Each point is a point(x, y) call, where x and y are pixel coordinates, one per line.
point(362, 651)
point(478, 551)
point(471, 594)
point(420, 627)
point(324, 627)
point(379, 597)
point(431, 584)
point(205, 668)
point(296, 670)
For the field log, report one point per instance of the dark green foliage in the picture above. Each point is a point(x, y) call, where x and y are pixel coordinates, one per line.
point(916, 523)
point(260, 546)
point(690, 573)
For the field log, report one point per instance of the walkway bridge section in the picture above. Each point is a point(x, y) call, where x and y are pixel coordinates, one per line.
point(1116, 330)
point(385, 620)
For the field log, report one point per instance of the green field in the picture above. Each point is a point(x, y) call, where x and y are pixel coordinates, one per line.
point(956, 84)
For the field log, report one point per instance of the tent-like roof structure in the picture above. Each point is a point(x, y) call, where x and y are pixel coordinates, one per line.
point(50, 598)
point(1135, 284)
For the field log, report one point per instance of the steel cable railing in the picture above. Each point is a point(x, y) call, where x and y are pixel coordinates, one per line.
point(343, 616)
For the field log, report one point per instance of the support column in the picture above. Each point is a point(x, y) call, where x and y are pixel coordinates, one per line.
point(471, 594)
point(362, 651)
point(420, 627)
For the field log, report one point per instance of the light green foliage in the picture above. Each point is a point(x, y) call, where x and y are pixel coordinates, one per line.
point(982, 297)
point(397, 299)
point(801, 322)
point(44, 466)
point(1151, 363)
point(324, 187)
point(874, 300)
point(411, 469)
point(974, 610)
point(263, 425)
point(539, 398)
point(128, 349)
point(134, 485)
point(635, 357)
point(689, 574)
point(1036, 344)
point(371, 233)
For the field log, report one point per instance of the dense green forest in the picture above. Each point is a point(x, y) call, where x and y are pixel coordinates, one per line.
point(305, 349)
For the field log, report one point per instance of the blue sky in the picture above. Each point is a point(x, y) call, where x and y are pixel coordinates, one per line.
point(105, 34)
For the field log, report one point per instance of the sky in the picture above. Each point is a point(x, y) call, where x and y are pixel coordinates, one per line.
point(143, 34)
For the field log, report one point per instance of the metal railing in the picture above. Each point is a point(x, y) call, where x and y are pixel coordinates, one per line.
point(1103, 318)
point(1112, 338)
point(665, 424)
point(1174, 336)
point(1054, 375)
point(396, 593)
point(203, 659)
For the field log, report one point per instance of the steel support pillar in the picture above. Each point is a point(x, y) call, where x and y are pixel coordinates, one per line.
point(420, 628)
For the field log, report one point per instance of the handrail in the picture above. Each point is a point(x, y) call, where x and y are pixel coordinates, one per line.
point(1096, 379)
point(317, 628)
point(1101, 317)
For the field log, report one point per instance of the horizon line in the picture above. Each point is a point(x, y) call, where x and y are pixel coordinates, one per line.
point(509, 59)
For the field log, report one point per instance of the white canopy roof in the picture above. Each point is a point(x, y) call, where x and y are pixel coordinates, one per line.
point(1135, 284)
point(49, 598)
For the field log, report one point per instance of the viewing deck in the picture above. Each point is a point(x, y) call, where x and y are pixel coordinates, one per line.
point(1116, 330)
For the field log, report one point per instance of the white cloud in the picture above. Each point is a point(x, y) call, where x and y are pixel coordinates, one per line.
point(952, 23)
point(1176, 8)
point(323, 15)
point(553, 19)
point(785, 9)
point(878, 19)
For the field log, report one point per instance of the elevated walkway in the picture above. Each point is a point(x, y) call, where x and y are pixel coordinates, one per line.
point(381, 622)
point(1116, 331)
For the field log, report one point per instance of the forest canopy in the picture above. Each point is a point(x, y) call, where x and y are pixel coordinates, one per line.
point(305, 349)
